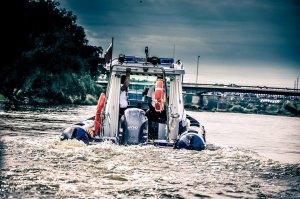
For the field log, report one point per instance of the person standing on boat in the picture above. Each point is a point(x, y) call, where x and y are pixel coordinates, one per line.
point(149, 95)
point(124, 92)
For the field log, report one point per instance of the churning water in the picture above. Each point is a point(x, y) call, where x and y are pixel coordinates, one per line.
point(248, 156)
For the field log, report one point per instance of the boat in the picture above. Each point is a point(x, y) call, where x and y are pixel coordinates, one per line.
point(167, 126)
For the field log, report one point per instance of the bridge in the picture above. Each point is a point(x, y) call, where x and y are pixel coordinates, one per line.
point(204, 88)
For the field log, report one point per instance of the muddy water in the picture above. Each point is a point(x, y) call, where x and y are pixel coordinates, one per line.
point(35, 164)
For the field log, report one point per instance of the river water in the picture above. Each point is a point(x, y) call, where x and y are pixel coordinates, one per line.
point(248, 156)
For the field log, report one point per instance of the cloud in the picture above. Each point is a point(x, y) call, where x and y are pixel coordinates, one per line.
point(228, 32)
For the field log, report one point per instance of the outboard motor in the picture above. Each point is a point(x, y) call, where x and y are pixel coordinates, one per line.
point(134, 125)
point(190, 140)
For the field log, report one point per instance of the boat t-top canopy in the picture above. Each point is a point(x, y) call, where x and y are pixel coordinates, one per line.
point(147, 66)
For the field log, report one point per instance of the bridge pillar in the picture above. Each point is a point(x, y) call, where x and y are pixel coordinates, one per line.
point(196, 100)
point(201, 104)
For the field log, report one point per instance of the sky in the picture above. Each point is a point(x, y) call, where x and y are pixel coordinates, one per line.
point(245, 42)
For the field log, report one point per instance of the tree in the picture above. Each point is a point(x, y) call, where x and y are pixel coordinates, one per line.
point(46, 53)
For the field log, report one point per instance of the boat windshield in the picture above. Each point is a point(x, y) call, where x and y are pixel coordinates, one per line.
point(139, 83)
point(138, 87)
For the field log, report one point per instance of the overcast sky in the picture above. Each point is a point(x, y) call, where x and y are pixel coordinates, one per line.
point(239, 41)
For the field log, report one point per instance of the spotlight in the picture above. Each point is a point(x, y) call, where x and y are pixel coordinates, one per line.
point(121, 58)
point(154, 60)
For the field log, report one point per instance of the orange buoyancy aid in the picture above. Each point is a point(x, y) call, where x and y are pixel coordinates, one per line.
point(159, 96)
point(97, 120)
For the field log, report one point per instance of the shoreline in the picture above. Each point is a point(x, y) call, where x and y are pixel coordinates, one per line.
point(11, 104)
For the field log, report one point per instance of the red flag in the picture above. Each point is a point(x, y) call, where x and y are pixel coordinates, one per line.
point(108, 54)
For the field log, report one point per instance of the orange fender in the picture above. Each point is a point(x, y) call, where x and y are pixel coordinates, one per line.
point(159, 96)
point(97, 121)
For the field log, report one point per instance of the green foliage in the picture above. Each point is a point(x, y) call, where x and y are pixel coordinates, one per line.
point(67, 87)
point(213, 103)
point(2, 97)
point(46, 54)
point(292, 107)
point(272, 108)
point(236, 108)
point(187, 98)
point(250, 106)
point(191, 107)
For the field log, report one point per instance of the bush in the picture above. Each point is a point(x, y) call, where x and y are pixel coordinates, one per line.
point(292, 107)
point(236, 108)
point(211, 105)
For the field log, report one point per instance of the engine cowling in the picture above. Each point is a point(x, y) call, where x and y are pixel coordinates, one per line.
point(134, 125)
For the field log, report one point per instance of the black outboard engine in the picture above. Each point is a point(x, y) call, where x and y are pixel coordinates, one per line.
point(190, 140)
point(134, 125)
